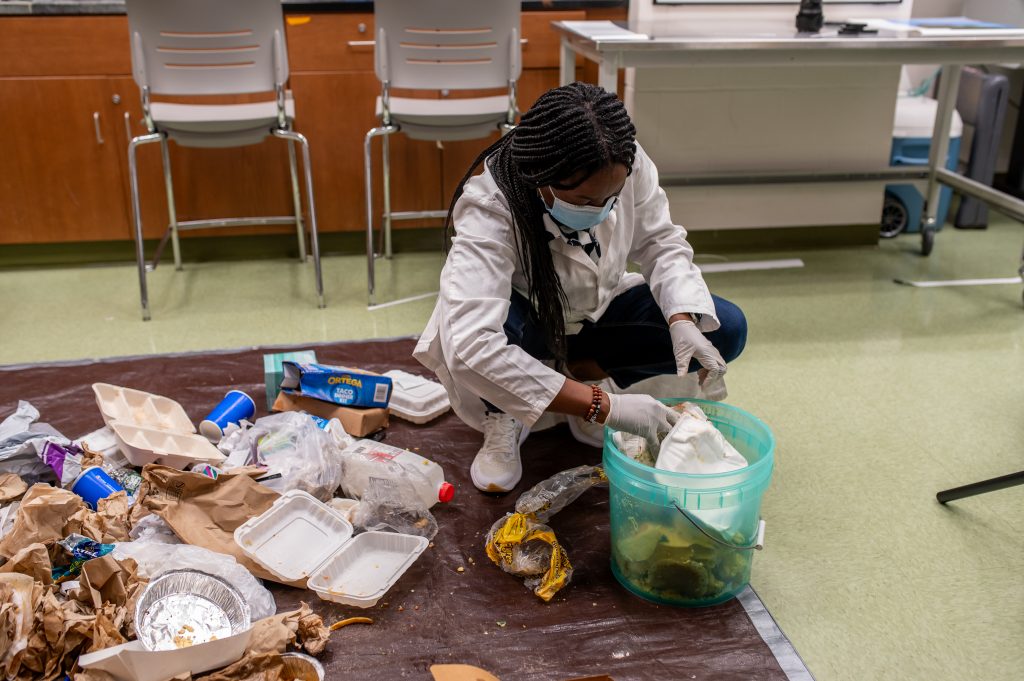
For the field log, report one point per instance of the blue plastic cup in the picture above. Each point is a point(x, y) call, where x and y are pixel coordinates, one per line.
point(235, 406)
point(94, 484)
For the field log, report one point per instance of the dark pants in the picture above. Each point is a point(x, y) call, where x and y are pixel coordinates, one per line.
point(631, 341)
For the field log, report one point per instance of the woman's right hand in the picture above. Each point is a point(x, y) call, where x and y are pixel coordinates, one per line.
point(640, 415)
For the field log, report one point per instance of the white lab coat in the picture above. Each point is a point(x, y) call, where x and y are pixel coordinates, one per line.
point(464, 342)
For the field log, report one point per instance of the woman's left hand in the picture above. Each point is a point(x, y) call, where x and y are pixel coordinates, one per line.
point(689, 343)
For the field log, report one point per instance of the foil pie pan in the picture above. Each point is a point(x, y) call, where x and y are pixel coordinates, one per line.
point(183, 608)
point(299, 667)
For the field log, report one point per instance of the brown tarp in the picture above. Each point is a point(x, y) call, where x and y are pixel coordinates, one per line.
point(435, 614)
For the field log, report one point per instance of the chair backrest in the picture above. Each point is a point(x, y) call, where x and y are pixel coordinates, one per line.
point(451, 44)
point(205, 47)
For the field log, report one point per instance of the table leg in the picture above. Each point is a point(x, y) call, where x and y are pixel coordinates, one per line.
point(566, 64)
point(608, 75)
point(937, 156)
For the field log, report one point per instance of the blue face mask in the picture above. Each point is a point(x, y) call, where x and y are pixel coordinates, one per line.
point(579, 217)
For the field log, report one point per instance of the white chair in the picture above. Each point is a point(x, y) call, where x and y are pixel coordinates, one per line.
point(213, 47)
point(439, 45)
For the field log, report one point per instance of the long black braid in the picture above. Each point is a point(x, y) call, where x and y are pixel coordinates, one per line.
point(569, 133)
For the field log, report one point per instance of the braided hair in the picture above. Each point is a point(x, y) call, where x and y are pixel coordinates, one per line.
point(570, 133)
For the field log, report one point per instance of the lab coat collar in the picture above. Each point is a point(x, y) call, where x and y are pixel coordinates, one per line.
point(560, 245)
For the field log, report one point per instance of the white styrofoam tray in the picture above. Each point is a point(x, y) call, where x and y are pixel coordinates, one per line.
point(299, 537)
point(415, 398)
point(141, 445)
point(128, 405)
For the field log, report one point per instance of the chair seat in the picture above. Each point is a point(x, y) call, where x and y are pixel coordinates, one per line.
point(447, 119)
point(219, 125)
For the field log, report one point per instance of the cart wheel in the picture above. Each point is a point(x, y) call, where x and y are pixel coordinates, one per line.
point(894, 217)
point(927, 241)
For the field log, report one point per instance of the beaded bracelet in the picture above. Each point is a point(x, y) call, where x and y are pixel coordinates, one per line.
point(595, 404)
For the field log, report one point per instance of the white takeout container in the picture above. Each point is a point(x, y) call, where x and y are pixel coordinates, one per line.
point(141, 445)
point(299, 537)
point(132, 662)
point(139, 408)
point(415, 398)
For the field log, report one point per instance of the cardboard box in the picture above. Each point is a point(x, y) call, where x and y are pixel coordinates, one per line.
point(273, 373)
point(357, 422)
point(340, 385)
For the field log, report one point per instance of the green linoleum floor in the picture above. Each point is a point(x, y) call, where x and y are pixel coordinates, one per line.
point(879, 395)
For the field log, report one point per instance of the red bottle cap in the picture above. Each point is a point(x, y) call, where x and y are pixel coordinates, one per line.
point(445, 492)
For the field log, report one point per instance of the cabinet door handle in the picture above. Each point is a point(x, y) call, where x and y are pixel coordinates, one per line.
point(128, 127)
point(96, 126)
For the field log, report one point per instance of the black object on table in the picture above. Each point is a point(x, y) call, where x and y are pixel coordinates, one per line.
point(983, 487)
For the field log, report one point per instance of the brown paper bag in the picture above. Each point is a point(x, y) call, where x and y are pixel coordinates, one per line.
point(206, 512)
point(41, 518)
point(11, 487)
point(34, 561)
point(103, 581)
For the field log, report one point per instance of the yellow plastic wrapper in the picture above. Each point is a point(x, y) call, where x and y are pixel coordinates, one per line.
point(521, 544)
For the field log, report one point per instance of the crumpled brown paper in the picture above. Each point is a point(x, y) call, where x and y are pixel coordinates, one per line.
point(48, 514)
point(41, 518)
point(63, 630)
point(265, 667)
point(301, 627)
point(11, 487)
point(34, 561)
point(205, 512)
point(16, 615)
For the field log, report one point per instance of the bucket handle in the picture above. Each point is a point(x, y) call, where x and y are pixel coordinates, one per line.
point(757, 545)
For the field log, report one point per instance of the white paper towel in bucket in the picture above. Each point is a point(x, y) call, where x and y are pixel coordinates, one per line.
point(696, 447)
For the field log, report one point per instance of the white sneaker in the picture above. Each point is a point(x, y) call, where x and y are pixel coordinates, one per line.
point(588, 433)
point(497, 467)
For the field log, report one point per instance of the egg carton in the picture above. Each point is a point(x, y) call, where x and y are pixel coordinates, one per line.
point(127, 405)
point(142, 445)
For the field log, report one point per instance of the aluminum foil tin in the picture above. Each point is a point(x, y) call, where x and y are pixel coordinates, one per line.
point(299, 667)
point(183, 608)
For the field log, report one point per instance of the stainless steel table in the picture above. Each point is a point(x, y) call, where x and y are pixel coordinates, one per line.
point(793, 49)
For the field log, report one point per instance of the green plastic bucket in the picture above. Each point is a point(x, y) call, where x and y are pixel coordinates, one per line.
point(683, 539)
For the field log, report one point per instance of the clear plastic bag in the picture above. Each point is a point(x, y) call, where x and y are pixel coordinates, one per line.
point(522, 544)
point(392, 503)
point(153, 529)
point(155, 558)
point(550, 496)
point(290, 445)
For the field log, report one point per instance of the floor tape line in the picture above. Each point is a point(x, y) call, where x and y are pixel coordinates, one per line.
point(402, 301)
point(960, 282)
point(751, 265)
point(773, 636)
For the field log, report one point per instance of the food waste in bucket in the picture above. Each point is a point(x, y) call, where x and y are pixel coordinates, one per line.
point(688, 539)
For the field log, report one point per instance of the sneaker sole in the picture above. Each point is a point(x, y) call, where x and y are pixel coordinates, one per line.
point(492, 487)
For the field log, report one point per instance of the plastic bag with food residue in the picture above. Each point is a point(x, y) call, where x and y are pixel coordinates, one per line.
point(522, 544)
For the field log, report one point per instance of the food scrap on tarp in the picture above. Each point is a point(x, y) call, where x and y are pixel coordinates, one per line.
point(522, 544)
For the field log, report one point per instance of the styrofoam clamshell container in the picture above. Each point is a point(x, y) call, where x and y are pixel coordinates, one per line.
point(415, 398)
point(128, 405)
point(299, 537)
point(141, 445)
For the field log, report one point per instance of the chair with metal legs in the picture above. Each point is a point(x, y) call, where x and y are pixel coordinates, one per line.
point(438, 45)
point(224, 47)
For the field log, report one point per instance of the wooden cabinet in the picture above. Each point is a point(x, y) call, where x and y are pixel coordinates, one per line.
point(61, 161)
point(66, 87)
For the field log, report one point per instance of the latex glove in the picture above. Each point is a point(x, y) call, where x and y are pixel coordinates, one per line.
point(688, 343)
point(640, 415)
